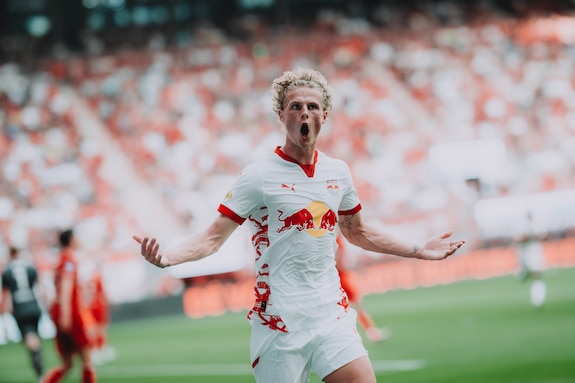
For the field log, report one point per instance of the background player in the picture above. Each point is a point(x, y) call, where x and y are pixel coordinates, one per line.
point(69, 315)
point(20, 296)
point(97, 304)
point(531, 260)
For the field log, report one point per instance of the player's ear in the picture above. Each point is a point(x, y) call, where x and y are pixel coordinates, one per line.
point(325, 113)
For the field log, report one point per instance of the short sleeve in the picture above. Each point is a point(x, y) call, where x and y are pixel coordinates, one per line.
point(350, 202)
point(244, 197)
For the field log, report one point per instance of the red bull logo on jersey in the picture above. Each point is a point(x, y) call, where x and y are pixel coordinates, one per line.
point(332, 187)
point(316, 219)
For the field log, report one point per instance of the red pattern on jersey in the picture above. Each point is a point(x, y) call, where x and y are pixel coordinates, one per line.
point(262, 292)
point(260, 239)
point(274, 322)
point(344, 300)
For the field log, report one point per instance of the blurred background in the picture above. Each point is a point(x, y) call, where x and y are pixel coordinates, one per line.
point(123, 117)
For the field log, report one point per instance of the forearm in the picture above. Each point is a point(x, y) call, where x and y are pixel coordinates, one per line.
point(369, 239)
point(65, 303)
point(192, 248)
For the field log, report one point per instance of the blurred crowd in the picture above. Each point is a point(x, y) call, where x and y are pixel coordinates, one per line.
point(451, 105)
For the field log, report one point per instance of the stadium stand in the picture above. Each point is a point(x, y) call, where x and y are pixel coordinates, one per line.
point(186, 108)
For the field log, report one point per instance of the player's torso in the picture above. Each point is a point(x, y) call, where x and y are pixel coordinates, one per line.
point(300, 211)
point(20, 278)
point(67, 269)
point(294, 237)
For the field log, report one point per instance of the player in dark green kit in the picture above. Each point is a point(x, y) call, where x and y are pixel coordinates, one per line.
point(19, 283)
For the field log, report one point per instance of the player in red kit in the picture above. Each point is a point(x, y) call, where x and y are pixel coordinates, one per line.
point(69, 316)
point(98, 308)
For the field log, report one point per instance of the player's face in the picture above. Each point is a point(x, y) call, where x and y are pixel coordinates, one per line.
point(302, 116)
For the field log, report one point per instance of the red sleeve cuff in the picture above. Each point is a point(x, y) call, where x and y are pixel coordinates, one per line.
point(230, 214)
point(350, 212)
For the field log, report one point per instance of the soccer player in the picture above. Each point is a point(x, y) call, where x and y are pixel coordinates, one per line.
point(98, 307)
point(69, 316)
point(354, 296)
point(20, 292)
point(531, 260)
point(293, 200)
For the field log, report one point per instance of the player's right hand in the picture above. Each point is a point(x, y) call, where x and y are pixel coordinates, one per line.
point(150, 250)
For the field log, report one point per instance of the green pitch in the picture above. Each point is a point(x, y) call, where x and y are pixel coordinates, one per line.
point(468, 332)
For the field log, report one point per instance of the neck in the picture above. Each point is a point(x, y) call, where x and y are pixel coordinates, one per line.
point(304, 156)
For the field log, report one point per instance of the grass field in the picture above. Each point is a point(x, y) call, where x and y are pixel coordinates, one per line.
point(468, 332)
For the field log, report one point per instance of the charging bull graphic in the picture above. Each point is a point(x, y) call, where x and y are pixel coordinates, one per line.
point(301, 220)
point(316, 219)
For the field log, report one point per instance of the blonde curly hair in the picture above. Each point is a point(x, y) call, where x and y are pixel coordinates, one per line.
point(299, 77)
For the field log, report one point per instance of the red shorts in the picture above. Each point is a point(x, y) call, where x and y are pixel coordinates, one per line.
point(73, 341)
point(68, 344)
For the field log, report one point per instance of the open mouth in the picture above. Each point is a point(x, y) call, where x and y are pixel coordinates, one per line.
point(304, 129)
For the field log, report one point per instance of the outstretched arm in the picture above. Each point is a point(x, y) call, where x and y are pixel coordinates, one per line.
point(193, 248)
point(368, 237)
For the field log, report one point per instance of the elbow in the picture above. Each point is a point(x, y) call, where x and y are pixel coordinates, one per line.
point(354, 241)
point(214, 248)
point(215, 239)
point(358, 236)
point(352, 237)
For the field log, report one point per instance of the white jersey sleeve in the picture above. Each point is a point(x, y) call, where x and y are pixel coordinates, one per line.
point(350, 200)
point(244, 197)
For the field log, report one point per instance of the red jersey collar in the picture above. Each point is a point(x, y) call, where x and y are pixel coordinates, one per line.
point(309, 170)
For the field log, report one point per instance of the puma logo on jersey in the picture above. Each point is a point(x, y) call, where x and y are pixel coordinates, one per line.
point(292, 187)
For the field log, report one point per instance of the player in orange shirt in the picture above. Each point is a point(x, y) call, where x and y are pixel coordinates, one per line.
point(69, 316)
point(354, 296)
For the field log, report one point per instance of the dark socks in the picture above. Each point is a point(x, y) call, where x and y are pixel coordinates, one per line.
point(37, 361)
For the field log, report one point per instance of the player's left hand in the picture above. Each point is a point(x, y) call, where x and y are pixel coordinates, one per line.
point(440, 247)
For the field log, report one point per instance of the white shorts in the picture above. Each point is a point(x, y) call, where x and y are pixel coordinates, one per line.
point(280, 357)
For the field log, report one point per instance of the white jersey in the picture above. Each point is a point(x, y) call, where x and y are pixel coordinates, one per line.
point(293, 210)
point(530, 248)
